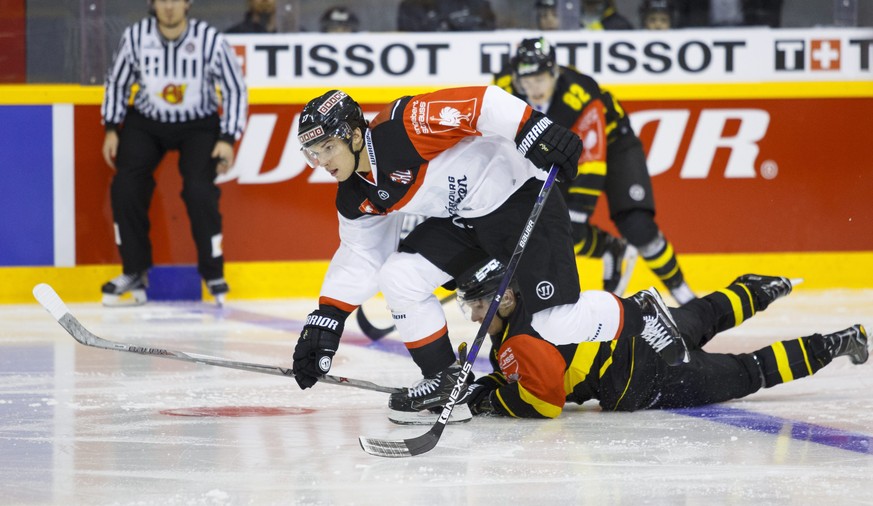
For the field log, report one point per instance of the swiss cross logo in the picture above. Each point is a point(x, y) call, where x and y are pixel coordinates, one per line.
point(824, 54)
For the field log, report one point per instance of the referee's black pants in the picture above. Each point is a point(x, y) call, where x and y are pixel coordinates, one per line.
point(142, 144)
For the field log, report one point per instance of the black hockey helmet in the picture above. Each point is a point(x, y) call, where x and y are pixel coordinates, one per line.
point(334, 114)
point(648, 6)
point(533, 56)
point(481, 281)
point(339, 19)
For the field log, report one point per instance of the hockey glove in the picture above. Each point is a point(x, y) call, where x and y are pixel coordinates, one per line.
point(317, 345)
point(544, 143)
point(478, 398)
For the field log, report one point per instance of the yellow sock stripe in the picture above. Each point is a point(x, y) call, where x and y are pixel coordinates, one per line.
point(542, 407)
point(736, 305)
point(505, 406)
point(662, 259)
point(598, 168)
point(751, 300)
point(805, 356)
point(591, 243)
point(629, 376)
point(585, 191)
point(782, 362)
point(664, 277)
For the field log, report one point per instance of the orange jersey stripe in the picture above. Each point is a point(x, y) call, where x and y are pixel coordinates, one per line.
point(427, 340)
point(345, 306)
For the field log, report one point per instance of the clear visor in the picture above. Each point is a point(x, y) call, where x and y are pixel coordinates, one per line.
point(318, 153)
point(476, 308)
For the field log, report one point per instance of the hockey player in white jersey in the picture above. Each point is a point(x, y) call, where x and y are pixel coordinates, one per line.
point(468, 159)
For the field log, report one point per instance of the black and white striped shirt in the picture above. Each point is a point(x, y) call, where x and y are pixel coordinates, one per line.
point(177, 78)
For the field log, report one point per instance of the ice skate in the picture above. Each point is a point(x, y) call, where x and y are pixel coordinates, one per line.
point(618, 264)
point(423, 402)
point(767, 289)
point(660, 331)
point(114, 290)
point(218, 288)
point(851, 342)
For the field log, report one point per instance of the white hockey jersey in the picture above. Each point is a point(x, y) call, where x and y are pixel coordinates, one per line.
point(441, 154)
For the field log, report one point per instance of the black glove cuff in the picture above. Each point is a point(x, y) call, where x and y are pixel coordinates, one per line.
point(532, 130)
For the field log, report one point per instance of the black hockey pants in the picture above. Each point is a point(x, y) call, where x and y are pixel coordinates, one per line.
point(142, 144)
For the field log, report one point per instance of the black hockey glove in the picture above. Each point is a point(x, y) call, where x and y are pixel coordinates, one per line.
point(478, 398)
point(317, 345)
point(545, 142)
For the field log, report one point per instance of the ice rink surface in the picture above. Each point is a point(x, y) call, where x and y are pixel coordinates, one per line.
point(80, 425)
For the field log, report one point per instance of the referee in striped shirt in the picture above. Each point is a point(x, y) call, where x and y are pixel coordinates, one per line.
point(177, 62)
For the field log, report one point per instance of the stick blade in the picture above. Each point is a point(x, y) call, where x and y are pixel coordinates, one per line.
point(400, 448)
point(49, 299)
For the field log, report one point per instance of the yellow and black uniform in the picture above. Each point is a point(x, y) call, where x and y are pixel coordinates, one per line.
point(534, 378)
point(613, 162)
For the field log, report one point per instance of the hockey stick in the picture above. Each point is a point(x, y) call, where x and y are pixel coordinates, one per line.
point(49, 299)
point(375, 333)
point(429, 440)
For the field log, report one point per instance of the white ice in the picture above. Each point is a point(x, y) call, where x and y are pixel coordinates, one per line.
point(80, 425)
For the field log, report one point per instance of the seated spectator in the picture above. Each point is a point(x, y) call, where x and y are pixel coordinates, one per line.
point(656, 14)
point(601, 15)
point(260, 18)
point(715, 13)
point(445, 16)
point(339, 20)
point(547, 15)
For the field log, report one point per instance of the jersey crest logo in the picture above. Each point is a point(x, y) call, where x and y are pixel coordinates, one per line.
point(449, 116)
point(444, 115)
point(508, 365)
point(174, 94)
point(367, 207)
point(401, 176)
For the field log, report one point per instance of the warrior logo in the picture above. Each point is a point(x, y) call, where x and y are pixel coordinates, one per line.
point(545, 290)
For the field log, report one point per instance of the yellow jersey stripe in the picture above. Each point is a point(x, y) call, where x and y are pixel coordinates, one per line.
point(542, 407)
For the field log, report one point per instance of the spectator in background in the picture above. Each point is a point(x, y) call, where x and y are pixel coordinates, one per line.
point(339, 20)
point(260, 18)
point(174, 109)
point(547, 15)
point(445, 16)
point(656, 14)
point(726, 13)
point(602, 15)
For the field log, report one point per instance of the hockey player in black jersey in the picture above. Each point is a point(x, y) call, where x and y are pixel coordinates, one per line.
point(534, 376)
point(613, 162)
point(177, 63)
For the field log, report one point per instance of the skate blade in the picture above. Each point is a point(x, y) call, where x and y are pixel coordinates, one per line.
point(460, 414)
point(130, 299)
point(795, 281)
point(630, 258)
